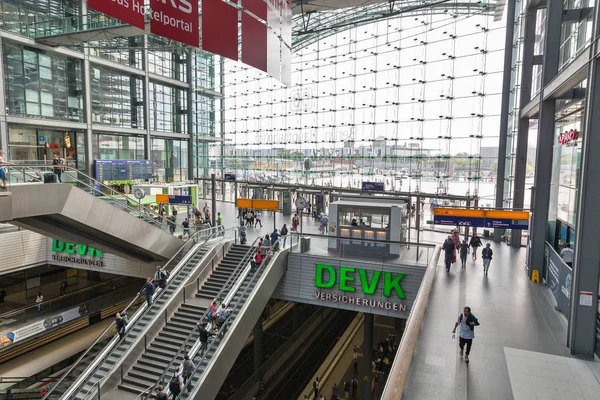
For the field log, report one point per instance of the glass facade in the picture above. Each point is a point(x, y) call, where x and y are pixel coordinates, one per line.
point(116, 99)
point(170, 159)
point(117, 147)
point(40, 85)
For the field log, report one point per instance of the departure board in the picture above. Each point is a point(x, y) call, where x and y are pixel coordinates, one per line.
point(122, 170)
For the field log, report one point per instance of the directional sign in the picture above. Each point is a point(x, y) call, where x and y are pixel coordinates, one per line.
point(171, 199)
point(504, 219)
point(229, 177)
point(375, 186)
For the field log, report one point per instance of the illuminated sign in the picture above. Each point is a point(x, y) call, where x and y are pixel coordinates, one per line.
point(348, 275)
point(567, 136)
point(481, 218)
point(76, 253)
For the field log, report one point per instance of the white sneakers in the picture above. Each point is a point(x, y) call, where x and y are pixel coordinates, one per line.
point(466, 358)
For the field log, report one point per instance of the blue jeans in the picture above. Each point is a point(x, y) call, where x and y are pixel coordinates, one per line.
point(486, 264)
point(324, 228)
point(448, 261)
point(149, 300)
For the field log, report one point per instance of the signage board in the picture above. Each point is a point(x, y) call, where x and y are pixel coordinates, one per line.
point(559, 279)
point(230, 178)
point(122, 170)
point(373, 186)
point(176, 19)
point(76, 253)
point(173, 199)
point(481, 218)
point(27, 331)
point(257, 204)
point(129, 11)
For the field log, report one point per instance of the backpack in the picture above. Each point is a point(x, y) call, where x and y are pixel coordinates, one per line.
point(210, 314)
point(284, 231)
point(221, 316)
point(174, 380)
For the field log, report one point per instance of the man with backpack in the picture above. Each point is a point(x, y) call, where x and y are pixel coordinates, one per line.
point(187, 368)
point(121, 325)
point(160, 277)
point(204, 334)
point(176, 383)
point(467, 322)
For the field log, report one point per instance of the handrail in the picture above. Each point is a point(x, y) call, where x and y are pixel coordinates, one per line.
point(10, 313)
point(394, 387)
point(113, 194)
point(140, 311)
point(226, 287)
point(229, 321)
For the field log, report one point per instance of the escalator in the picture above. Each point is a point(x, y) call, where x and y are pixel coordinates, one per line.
point(193, 259)
point(86, 212)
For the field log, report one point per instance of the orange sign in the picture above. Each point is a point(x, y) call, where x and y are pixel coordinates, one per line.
point(506, 214)
point(162, 198)
point(258, 204)
point(458, 212)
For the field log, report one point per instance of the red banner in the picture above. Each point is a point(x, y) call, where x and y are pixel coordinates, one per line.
point(129, 11)
point(254, 42)
point(220, 28)
point(175, 19)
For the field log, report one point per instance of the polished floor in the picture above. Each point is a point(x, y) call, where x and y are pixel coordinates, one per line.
point(519, 327)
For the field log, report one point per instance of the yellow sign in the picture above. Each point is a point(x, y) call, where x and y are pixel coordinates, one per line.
point(258, 204)
point(458, 212)
point(162, 198)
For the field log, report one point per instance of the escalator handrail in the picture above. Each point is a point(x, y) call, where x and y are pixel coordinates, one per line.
point(135, 317)
point(264, 265)
point(10, 313)
point(225, 288)
point(67, 170)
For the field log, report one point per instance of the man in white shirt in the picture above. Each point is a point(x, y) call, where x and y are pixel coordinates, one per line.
point(567, 255)
point(258, 219)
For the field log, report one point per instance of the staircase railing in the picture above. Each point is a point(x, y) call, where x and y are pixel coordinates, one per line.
point(235, 306)
point(188, 343)
point(196, 242)
point(29, 174)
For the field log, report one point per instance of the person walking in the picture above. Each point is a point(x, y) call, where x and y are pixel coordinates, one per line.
point(475, 243)
point(58, 170)
point(567, 255)
point(258, 219)
point(39, 300)
point(172, 220)
point(347, 389)
point(219, 219)
point(63, 287)
point(467, 322)
point(355, 359)
point(295, 223)
point(283, 232)
point(335, 392)
point(316, 386)
point(160, 393)
point(187, 368)
point(464, 250)
point(121, 325)
point(3, 172)
point(324, 224)
point(204, 334)
point(160, 277)
point(274, 239)
point(176, 383)
point(149, 289)
point(448, 248)
point(186, 227)
point(456, 241)
point(486, 255)
point(354, 387)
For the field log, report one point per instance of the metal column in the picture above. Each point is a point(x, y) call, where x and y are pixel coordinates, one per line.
point(582, 321)
point(543, 160)
point(147, 139)
point(189, 54)
point(367, 356)
point(504, 113)
point(523, 125)
point(213, 194)
point(3, 123)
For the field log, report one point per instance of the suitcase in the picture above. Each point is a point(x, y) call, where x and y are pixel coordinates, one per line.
point(49, 178)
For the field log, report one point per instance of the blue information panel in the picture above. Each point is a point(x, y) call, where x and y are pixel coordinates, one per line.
point(230, 177)
point(506, 223)
point(375, 186)
point(458, 221)
point(180, 199)
point(122, 170)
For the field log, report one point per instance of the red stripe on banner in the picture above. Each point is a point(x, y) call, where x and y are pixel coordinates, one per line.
point(220, 28)
point(176, 19)
point(254, 42)
point(129, 11)
point(256, 7)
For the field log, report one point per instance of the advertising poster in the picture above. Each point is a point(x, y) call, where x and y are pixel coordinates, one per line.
point(559, 281)
point(35, 328)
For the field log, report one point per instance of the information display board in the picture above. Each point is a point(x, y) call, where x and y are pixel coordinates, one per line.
point(173, 199)
point(122, 170)
point(374, 186)
point(481, 218)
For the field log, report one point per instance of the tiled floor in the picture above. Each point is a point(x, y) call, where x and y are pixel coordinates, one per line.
point(515, 315)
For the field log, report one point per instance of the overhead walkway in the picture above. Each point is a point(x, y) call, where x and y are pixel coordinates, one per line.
point(85, 212)
point(194, 262)
point(519, 351)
